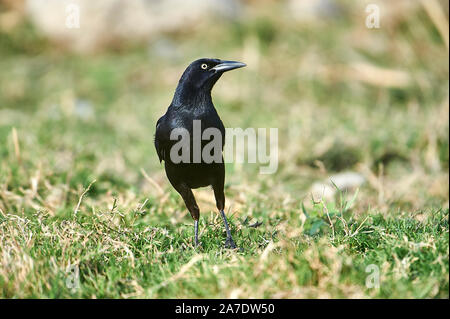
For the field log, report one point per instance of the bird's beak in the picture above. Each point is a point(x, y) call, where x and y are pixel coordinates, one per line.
point(225, 66)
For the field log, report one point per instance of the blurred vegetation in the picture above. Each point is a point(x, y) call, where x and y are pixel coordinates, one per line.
point(344, 98)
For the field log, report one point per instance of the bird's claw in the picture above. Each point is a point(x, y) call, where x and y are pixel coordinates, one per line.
point(229, 243)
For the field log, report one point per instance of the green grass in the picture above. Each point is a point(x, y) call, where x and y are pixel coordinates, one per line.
point(121, 253)
point(68, 120)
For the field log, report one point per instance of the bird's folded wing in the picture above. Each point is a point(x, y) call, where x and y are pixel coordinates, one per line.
point(160, 143)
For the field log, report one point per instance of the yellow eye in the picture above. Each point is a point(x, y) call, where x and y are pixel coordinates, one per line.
point(204, 66)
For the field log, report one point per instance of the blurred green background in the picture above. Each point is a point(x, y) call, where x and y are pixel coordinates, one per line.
point(344, 97)
point(367, 106)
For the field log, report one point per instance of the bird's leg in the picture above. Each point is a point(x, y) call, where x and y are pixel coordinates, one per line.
point(191, 205)
point(229, 242)
point(196, 232)
point(220, 203)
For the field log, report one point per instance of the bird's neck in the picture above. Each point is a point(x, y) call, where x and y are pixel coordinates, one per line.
point(187, 95)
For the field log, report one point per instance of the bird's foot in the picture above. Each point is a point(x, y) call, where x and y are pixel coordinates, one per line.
point(229, 243)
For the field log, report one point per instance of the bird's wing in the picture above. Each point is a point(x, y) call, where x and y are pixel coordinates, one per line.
point(160, 140)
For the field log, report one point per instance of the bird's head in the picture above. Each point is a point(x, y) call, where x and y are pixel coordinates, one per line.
point(201, 75)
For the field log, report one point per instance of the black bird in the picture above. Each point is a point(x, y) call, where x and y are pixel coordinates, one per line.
point(192, 101)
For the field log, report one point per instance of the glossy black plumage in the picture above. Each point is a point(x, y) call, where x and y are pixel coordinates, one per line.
point(192, 101)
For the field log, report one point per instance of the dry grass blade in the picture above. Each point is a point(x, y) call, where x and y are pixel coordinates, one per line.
point(75, 211)
point(438, 17)
point(153, 182)
point(15, 139)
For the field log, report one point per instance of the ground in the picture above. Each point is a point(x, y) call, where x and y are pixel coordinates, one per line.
point(83, 195)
